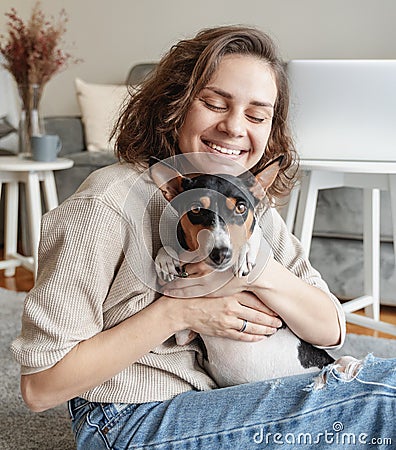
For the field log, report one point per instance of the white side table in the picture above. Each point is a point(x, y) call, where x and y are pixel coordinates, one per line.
point(14, 170)
point(371, 176)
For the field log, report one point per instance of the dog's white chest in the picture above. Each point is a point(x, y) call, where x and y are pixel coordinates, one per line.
point(233, 362)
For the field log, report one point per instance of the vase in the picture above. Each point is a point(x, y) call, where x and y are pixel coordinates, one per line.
point(30, 123)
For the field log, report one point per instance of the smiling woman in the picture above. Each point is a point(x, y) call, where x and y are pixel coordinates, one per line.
point(95, 331)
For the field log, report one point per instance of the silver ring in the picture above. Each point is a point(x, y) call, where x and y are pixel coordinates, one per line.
point(243, 328)
point(183, 272)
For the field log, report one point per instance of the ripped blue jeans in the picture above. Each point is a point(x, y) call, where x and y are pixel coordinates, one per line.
point(347, 405)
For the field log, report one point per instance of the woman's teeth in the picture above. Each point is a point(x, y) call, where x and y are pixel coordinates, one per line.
point(226, 151)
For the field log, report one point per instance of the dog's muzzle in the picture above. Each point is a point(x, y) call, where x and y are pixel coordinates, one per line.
point(220, 256)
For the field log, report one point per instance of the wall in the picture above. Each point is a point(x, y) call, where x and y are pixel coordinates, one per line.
point(111, 36)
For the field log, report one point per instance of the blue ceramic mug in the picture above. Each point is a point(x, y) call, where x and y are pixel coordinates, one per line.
point(45, 148)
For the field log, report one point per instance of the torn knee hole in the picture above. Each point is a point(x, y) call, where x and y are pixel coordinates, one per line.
point(347, 366)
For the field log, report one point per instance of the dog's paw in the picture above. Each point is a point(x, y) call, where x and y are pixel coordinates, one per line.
point(167, 264)
point(244, 264)
point(243, 268)
point(248, 254)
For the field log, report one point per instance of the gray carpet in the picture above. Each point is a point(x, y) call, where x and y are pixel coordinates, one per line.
point(21, 429)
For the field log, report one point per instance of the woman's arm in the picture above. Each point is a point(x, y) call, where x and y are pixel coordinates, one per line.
point(308, 311)
point(97, 359)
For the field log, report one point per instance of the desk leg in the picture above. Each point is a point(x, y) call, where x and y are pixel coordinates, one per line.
point(306, 209)
point(11, 224)
point(49, 187)
point(34, 213)
point(311, 183)
point(392, 190)
point(371, 250)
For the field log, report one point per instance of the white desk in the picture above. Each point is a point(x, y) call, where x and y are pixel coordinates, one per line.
point(371, 176)
point(14, 170)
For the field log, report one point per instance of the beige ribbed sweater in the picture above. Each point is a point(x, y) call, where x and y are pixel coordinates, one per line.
point(95, 270)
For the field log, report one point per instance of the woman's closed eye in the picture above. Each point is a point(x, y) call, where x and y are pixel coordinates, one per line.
point(256, 117)
point(213, 106)
point(259, 116)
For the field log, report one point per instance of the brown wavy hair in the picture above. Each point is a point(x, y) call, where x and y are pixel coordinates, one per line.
point(150, 122)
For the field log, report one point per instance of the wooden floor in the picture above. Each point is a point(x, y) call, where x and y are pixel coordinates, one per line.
point(23, 282)
point(388, 314)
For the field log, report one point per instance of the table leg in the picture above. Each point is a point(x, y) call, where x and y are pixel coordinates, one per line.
point(306, 209)
point(311, 183)
point(371, 250)
point(49, 188)
point(392, 190)
point(34, 213)
point(11, 224)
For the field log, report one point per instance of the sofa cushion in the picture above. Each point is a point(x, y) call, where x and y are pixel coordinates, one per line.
point(68, 181)
point(100, 106)
point(5, 127)
point(70, 130)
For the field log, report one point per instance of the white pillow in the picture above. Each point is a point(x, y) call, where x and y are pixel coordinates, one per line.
point(100, 105)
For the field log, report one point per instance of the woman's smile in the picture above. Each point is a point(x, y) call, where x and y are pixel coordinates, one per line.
point(223, 148)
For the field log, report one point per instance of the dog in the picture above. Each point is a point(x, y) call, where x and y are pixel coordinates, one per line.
point(217, 217)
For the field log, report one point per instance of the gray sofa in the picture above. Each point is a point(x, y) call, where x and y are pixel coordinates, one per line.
point(71, 132)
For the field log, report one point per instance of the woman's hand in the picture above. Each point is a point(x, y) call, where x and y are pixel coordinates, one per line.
point(284, 293)
point(202, 280)
point(224, 316)
point(218, 304)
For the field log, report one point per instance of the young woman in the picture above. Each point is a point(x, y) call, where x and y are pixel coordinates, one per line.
point(95, 332)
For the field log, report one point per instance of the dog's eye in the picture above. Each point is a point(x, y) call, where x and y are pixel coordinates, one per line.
point(240, 208)
point(195, 208)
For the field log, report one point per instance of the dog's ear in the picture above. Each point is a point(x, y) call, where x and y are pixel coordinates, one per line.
point(266, 177)
point(166, 177)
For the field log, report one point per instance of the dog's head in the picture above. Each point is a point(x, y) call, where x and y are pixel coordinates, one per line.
point(216, 212)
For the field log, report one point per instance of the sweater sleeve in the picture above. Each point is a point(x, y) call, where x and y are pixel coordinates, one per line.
point(289, 252)
point(80, 249)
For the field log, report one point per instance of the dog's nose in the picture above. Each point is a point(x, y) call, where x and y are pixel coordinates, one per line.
point(220, 255)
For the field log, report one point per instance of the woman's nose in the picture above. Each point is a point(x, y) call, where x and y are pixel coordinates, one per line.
point(234, 124)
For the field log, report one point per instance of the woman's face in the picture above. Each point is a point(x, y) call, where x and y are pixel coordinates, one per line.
point(230, 120)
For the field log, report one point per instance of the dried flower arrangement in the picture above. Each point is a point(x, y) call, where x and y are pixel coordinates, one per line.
point(32, 54)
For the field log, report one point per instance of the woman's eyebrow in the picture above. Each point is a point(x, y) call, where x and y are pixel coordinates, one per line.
point(227, 95)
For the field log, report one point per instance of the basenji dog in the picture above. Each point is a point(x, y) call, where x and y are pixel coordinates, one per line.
point(218, 218)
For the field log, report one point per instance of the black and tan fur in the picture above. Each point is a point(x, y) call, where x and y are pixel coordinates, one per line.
point(225, 206)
